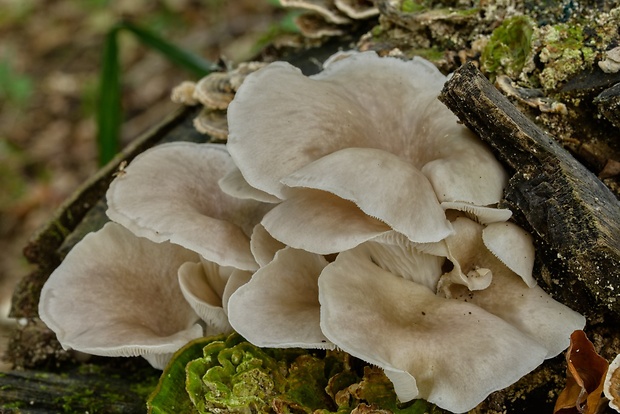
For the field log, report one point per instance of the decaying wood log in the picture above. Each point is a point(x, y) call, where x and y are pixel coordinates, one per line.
point(83, 390)
point(575, 218)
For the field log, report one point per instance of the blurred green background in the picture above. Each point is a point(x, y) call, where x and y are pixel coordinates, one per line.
point(50, 65)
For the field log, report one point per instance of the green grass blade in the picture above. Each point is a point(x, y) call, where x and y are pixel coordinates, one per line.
point(180, 57)
point(109, 111)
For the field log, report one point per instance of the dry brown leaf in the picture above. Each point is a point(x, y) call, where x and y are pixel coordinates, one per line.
point(584, 379)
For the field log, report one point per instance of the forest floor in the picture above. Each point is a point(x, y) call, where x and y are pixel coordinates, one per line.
point(50, 54)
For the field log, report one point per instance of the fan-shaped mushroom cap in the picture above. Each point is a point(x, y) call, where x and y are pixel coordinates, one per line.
point(212, 122)
point(90, 300)
point(264, 247)
point(513, 246)
point(279, 307)
point(368, 177)
point(509, 296)
point(171, 192)
point(446, 351)
point(320, 222)
point(203, 285)
point(281, 121)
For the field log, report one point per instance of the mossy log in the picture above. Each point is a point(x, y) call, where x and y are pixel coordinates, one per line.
point(87, 389)
point(575, 218)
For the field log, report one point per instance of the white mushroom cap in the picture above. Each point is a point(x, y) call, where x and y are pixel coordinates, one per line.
point(448, 352)
point(320, 222)
point(203, 286)
point(611, 387)
point(116, 294)
point(513, 246)
point(280, 121)
point(509, 296)
point(383, 186)
point(171, 192)
point(482, 214)
point(279, 306)
point(264, 247)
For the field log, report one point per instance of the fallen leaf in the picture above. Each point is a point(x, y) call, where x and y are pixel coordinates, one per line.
point(584, 380)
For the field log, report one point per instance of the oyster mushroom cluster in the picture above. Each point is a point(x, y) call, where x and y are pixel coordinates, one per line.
point(347, 210)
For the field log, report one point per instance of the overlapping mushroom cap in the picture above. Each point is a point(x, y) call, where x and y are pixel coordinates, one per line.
point(369, 165)
point(366, 139)
point(341, 218)
point(116, 294)
point(181, 249)
point(171, 192)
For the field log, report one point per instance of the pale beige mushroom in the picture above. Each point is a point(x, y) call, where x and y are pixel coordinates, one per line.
point(206, 286)
point(116, 294)
point(281, 121)
point(611, 388)
point(449, 352)
point(171, 192)
point(279, 306)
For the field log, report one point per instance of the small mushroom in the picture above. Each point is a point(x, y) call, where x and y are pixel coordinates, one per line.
point(203, 285)
point(116, 294)
point(264, 247)
point(184, 94)
point(279, 306)
point(214, 91)
point(212, 122)
point(171, 192)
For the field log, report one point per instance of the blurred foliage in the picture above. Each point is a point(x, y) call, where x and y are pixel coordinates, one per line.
point(109, 112)
point(15, 88)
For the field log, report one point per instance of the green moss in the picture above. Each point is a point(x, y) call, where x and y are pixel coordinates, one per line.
point(509, 47)
point(412, 6)
point(434, 54)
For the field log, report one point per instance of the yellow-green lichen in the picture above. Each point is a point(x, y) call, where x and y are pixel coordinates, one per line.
point(412, 6)
point(509, 47)
point(564, 53)
point(230, 375)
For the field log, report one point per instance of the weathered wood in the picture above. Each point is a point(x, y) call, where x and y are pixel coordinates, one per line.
point(575, 217)
point(89, 388)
